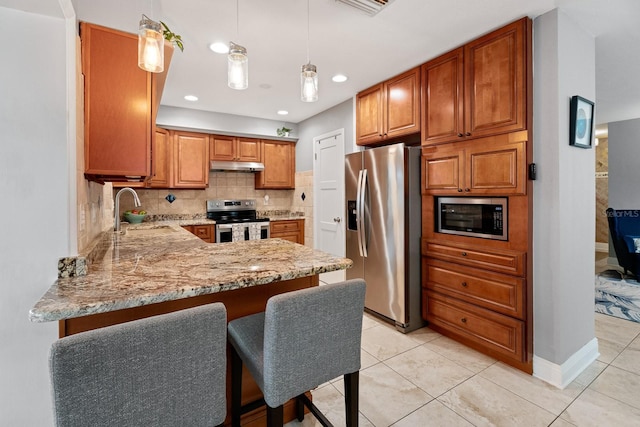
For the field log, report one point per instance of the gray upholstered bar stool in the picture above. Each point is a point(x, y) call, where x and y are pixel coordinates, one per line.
point(303, 339)
point(167, 370)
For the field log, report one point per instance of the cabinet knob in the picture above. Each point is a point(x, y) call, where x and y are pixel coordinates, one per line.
point(468, 134)
point(460, 135)
point(464, 284)
point(463, 254)
point(463, 320)
point(337, 219)
point(459, 190)
point(466, 190)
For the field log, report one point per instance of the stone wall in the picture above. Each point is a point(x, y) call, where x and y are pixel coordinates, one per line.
point(602, 190)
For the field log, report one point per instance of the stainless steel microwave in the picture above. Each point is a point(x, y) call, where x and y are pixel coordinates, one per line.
point(484, 217)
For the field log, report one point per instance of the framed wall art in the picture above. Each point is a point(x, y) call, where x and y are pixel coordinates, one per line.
point(581, 122)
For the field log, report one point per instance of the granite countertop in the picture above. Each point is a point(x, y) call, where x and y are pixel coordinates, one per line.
point(152, 262)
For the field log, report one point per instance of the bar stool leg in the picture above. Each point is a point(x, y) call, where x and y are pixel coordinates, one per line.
point(236, 388)
point(299, 409)
point(275, 416)
point(351, 382)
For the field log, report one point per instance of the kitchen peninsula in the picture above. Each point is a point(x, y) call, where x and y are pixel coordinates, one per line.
point(149, 269)
point(159, 267)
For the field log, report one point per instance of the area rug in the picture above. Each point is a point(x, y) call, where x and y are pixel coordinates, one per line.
point(618, 295)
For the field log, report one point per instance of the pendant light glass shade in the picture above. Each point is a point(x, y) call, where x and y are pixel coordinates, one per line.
point(238, 67)
point(309, 83)
point(150, 46)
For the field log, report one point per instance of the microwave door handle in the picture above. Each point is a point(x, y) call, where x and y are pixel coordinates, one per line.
point(359, 213)
point(365, 222)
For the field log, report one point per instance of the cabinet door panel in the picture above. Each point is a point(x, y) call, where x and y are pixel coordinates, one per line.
point(117, 104)
point(161, 157)
point(222, 148)
point(279, 166)
point(441, 172)
point(402, 114)
point(497, 168)
point(248, 150)
point(496, 81)
point(369, 120)
point(191, 168)
point(442, 85)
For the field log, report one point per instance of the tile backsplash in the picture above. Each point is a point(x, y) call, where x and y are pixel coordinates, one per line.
point(229, 185)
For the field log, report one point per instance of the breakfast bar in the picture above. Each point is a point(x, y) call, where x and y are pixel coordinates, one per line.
point(156, 268)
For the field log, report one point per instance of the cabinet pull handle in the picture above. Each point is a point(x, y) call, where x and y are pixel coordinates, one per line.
point(468, 133)
point(463, 254)
point(464, 284)
point(463, 320)
point(460, 135)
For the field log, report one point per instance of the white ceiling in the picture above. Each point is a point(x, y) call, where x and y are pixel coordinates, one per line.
point(344, 40)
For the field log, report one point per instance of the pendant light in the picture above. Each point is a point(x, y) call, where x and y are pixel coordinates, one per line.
point(150, 46)
point(237, 61)
point(309, 75)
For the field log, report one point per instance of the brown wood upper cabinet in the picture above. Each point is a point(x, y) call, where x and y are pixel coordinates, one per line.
point(279, 158)
point(493, 165)
point(231, 148)
point(479, 89)
point(180, 160)
point(120, 105)
point(389, 109)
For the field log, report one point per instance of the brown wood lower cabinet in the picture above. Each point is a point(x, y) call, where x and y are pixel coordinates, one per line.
point(239, 302)
point(477, 295)
point(206, 232)
point(477, 327)
point(291, 230)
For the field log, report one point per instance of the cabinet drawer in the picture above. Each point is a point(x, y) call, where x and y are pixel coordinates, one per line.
point(284, 226)
point(503, 261)
point(496, 332)
point(497, 292)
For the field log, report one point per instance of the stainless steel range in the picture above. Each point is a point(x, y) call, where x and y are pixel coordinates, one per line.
point(236, 220)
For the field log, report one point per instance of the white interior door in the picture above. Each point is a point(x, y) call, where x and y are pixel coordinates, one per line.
point(328, 180)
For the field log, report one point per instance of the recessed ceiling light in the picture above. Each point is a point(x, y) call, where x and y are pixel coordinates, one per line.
point(219, 47)
point(283, 112)
point(339, 78)
point(192, 98)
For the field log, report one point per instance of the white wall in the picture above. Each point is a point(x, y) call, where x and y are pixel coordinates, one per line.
point(564, 194)
point(34, 184)
point(207, 121)
point(624, 158)
point(337, 117)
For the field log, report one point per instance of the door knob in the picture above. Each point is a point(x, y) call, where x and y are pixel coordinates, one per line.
point(337, 219)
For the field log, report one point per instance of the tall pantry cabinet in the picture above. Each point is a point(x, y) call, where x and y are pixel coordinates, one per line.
point(476, 142)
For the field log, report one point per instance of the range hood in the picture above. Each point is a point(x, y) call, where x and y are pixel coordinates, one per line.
point(217, 165)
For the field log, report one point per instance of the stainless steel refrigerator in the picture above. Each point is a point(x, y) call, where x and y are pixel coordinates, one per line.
point(383, 230)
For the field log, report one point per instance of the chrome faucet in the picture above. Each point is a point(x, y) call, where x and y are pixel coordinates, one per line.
point(136, 201)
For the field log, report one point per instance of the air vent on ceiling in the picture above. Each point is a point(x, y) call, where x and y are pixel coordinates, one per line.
point(370, 7)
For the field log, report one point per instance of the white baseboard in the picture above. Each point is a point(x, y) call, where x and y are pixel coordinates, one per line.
point(562, 375)
point(602, 247)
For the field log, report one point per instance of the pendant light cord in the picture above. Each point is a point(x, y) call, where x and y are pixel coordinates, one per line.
point(308, 60)
point(237, 19)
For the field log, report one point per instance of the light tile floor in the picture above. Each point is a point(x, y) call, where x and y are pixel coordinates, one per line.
point(425, 379)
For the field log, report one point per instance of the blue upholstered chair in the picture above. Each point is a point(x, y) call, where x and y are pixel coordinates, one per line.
point(167, 370)
point(303, 339)
point(624, 229)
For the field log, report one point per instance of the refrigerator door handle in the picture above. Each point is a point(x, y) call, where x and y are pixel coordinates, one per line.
point(363, 222)
point(359, 212)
